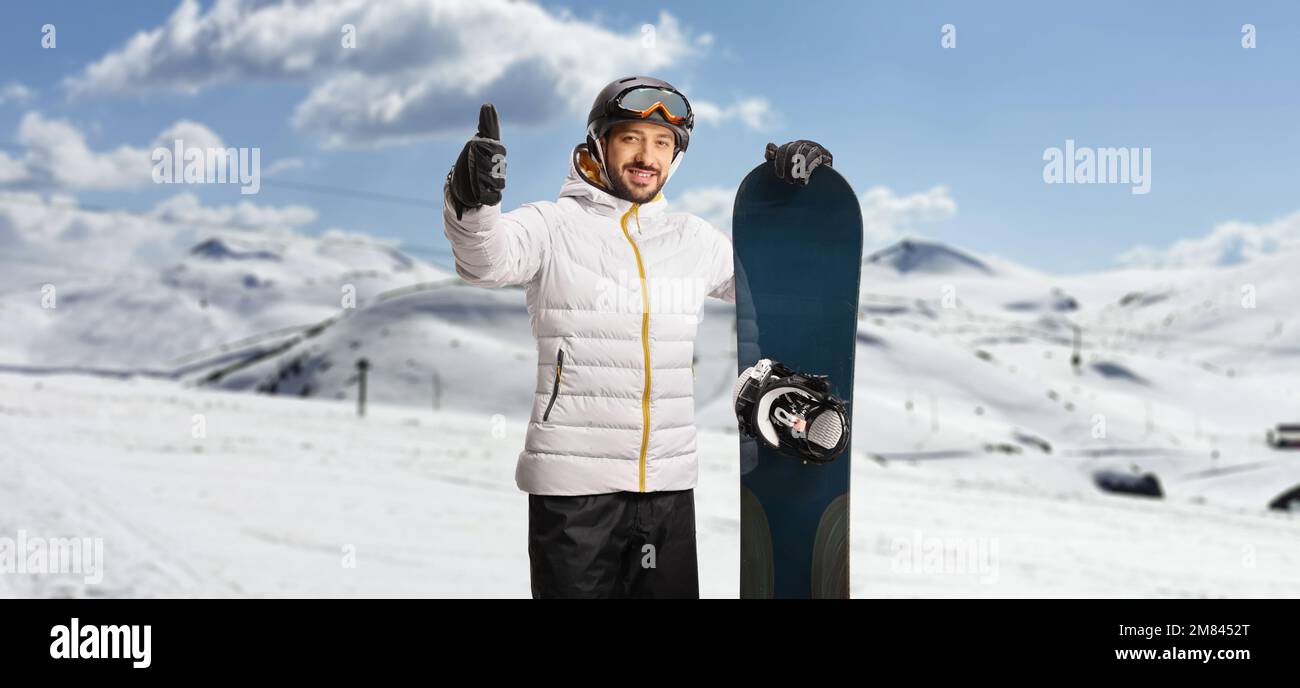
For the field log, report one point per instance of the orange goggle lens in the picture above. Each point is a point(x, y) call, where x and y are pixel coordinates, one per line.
point(643, 102)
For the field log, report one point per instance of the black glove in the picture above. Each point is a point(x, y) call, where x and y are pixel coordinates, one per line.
point(477, 179)
point(788, 168)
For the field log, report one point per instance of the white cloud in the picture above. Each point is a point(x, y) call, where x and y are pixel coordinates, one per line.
point(1229, 243)
point(419, 68)
point(12, 171)
point(56, 155)
point(755, 113)
point(285, 164)
point(886, 215)
point(191, 134)
point(186, 208)
point(56, 233)
point(16, 93)
point(712, 204)
point(341, 235)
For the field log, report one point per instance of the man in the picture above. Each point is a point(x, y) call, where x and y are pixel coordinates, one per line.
point(614, 285)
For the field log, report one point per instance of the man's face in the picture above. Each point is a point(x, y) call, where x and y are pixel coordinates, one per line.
point(637, 157)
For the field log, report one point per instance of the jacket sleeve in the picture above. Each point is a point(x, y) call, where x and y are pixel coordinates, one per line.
point(495, 249)
point(722, 279)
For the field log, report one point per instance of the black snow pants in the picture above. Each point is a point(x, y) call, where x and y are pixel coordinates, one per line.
point(616, 545)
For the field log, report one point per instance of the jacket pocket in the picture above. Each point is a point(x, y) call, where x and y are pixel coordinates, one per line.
point(555, 386)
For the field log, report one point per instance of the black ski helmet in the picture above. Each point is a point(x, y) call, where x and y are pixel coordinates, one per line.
point(608, 110)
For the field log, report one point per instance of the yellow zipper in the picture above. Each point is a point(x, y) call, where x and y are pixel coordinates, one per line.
point(645, 340)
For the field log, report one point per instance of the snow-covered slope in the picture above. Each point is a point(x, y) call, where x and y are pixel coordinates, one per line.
point(969, 408)
point(961, 356)
point(1180, 372)
point(160, 313)
point(280, 496)
point(442, 344)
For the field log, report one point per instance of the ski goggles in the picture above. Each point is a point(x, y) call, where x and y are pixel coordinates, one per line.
point(644, 101)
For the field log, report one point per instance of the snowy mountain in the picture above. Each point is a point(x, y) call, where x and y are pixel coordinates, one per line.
point(277, 312)
point(912, 256)
point(1179, 374)
point(228, 286)
point(439, 344)
point(971, 406)
point(958, 353)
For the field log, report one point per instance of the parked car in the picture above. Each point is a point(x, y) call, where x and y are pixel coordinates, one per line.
point(1284, 436)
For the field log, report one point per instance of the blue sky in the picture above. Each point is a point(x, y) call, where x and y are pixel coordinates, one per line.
point(869, 80)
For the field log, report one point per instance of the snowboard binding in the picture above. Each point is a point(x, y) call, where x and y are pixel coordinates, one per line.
point(791, 412)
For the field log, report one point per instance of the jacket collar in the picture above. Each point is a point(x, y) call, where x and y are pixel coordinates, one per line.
point(585, 186)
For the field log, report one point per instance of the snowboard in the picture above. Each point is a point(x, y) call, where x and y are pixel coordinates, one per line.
point(798, 260)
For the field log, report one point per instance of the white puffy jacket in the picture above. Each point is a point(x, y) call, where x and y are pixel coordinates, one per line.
point(614, 292)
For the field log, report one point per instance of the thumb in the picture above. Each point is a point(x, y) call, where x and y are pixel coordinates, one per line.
point(489, 126)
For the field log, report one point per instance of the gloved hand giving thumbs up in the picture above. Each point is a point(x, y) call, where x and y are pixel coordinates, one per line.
point(479, 175)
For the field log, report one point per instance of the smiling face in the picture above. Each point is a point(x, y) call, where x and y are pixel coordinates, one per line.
point(638, 155)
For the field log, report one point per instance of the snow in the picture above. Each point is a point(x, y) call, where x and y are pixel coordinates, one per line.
point(265, 503)
point(159, 313)
point(913, 256)
point(974, 433)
